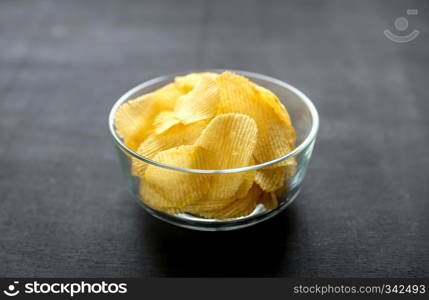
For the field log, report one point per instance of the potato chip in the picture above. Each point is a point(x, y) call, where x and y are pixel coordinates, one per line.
point(229, 141)
point(166, 97)
point(133, 120)
point(206, 206)
point(275, 135)
point(272, 179)
point(174, 211)
point(209, 205)
point(178, 135)
point(200, 103)
point(188, 82)
point(238, 208)
point(179, 188)
point(249, 177)
point(291, 165)
point(164, 121)
point(269, 200)
point(153, 197)
point(270, 99)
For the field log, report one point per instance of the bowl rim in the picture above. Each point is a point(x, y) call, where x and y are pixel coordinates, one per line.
point(301, 147)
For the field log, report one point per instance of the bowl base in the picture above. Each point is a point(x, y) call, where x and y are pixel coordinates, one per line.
point(189, 221)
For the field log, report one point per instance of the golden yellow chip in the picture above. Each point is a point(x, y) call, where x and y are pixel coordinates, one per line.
point(133, 120)
point(269, 200)
point(247, 183)
point(200, 103)
point(237, 208)
point(178, 135)
point(174, 211)
point(229, 141)
point(209, 205)
point(179, 188)
point(153, 197)
point(166, 97)
point(205, 205)
point(269, 98)
point(275, 135)
point(290, 165)
point(188, 82)
point(164, 121)
point(272, 179)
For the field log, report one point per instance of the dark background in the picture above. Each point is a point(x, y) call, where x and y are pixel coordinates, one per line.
point(64, 207)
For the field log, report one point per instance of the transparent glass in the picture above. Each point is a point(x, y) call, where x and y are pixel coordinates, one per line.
point(304, 119)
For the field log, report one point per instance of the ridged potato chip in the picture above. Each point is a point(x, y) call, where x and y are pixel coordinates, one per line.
point(153, 197)
point(269, 98)
point(176, 136)
point(248, 178)
point(164, 121)
point(229, 141)
point(180, 188)
point(133, 120)
point(276, 136)
point(200, 103)
point(188, 82)
point(166, 97)
point(291, 166)
point(269, 200)
point(272, 179)
point(237, 208)
point(210, 205)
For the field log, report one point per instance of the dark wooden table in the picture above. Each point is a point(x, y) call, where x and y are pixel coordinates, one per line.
point(64, 207)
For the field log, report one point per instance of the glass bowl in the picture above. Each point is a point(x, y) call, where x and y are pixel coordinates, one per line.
point(304, 118)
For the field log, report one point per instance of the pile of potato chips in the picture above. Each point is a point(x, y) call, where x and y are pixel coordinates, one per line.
point(209, 121)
